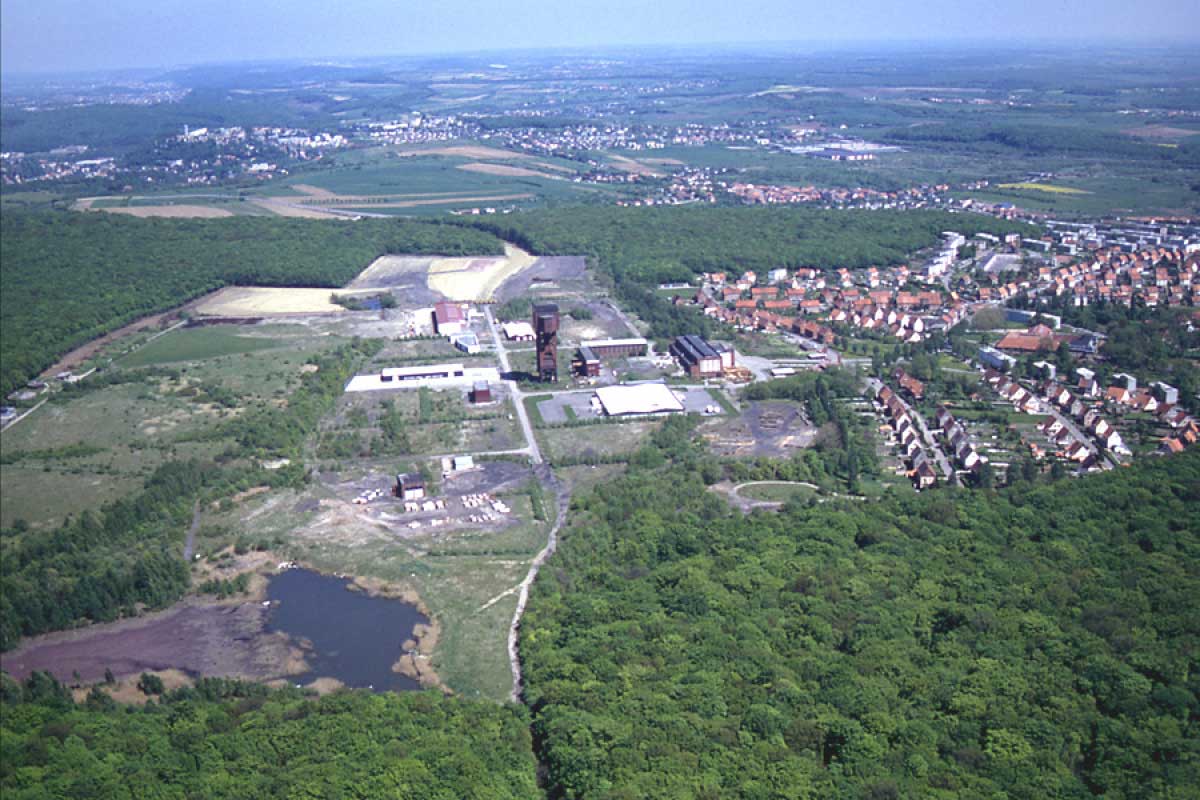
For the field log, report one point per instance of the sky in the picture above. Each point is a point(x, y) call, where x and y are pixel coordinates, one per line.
point(81, 35)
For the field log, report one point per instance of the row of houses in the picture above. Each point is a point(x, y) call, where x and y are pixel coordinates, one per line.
point(954, 433)
point(1154, 276)
point(908, 438)
point(1089, 416)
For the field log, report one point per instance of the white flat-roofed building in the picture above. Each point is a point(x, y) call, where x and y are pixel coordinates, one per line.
point(419, 372)
point(517, 331)
point(431, 375)
point(638, 398)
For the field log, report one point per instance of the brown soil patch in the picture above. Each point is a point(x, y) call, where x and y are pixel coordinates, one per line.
point(197, 637)
point(671, 162)
point(326, 685)
point(186, 211)
point(126, 691)
point(417, 661)
point(504, 169)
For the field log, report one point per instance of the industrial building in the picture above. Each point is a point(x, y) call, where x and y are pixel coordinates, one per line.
point(410, 487)
point(545, 327)
point(590, 353)
point(435, 376)
point(418, 373)
point(448, 319)
point(587, 363)
point(638, 398)
point(617, 348)
point(700, 358)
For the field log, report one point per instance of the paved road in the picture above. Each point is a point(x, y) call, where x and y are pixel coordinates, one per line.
point(17, 419)
point(1078, 433)
point(535, 454)
point(930, 444)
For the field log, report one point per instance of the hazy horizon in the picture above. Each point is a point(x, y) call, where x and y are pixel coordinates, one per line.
point(72, 37)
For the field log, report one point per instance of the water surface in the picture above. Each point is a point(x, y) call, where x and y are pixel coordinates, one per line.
point(355, 637)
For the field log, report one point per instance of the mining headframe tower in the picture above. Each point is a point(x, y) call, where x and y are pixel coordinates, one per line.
point(545, 328)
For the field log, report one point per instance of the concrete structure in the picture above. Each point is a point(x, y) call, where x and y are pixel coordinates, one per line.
point(638, 398)
point(467, 342)
point(545, 327)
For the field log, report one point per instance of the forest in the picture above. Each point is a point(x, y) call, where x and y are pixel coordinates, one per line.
point(1034, 642)
point(69, 278)
point(657, 245)
point(230, 740)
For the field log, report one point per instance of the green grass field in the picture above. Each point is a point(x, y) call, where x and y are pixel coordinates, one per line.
point(138, 425)
point(615, 439)
point(194, 344)
point(778, 492)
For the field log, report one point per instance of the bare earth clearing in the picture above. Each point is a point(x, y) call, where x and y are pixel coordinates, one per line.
point(197, 636)
point(182, 211)
point(247, 301)
point(477, 278)
point(284, 208)
point(504, 169)
point(634, 167)
point(466, 151)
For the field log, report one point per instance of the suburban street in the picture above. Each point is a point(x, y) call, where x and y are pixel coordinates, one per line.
point(930, 444)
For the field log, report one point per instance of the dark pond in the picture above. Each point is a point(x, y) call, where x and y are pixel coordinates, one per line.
point(355, 637)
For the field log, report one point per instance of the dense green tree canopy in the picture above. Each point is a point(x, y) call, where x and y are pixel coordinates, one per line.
point(1040, 642)
point(228, 740)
